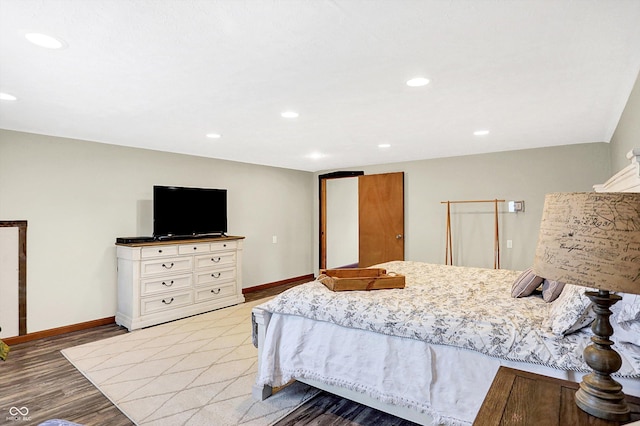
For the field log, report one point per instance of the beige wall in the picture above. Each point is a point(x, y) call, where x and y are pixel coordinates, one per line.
point(515, 175)
point(78, 196)
point(627, 134)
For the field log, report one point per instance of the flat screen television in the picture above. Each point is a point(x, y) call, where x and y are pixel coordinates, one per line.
point(188, 212)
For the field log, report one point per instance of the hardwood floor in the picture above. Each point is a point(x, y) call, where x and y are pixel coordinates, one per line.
point(328, 409)
point(37, 376)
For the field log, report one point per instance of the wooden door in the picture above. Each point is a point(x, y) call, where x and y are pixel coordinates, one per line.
point(380, 218)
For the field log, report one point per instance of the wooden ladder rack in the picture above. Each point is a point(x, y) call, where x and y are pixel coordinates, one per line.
point(496, 243)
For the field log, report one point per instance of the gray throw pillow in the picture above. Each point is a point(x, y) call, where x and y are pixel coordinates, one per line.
point(526, 283)
point(551, 290)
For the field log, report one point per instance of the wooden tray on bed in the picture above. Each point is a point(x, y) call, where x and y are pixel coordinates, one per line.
point(360, 279)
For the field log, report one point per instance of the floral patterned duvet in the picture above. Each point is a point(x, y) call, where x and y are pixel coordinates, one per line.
point(470, 308)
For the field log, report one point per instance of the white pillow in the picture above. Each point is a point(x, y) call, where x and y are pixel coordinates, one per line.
point(626, 319)
point(570, 312)
point(628, 332)
point(628, 308)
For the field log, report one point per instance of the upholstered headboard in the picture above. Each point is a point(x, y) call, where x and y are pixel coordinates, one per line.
point(627, 179)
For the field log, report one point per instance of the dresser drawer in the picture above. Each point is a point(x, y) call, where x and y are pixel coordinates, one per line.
point(149, 305)
point(215, 276)
point(216, 259)
point(158, 251)
point(163, 266)
point(224, 245)
point(160, 281)
point(193, 248)
point(215, 292)
point(164, 284)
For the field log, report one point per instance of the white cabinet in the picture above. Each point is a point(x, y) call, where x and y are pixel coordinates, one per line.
point(168, 280)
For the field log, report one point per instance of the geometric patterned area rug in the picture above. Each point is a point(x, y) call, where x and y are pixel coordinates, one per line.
point(194, 371)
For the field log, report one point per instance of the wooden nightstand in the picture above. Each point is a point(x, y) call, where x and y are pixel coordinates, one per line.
point(521, 398)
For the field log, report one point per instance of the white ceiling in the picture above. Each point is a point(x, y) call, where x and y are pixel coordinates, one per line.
point(160, 74)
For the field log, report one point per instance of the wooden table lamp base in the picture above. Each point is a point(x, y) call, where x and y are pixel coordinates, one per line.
point(600, 395)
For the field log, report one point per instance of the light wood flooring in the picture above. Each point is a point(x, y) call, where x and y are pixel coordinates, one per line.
point(37, 376)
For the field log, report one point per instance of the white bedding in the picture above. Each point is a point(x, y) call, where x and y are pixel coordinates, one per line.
point(446, 382)
point(433, 346)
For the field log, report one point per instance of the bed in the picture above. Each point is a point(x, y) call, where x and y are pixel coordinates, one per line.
point(428, 353)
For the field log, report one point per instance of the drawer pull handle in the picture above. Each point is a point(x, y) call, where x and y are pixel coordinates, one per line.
point(167, 303)
point(168, 285)
point(195, 248)
point(216, 275)
point(159, 251)
point(167, 267)
point(215, 259)
point(216, 291)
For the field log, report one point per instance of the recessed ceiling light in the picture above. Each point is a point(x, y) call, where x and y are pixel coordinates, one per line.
point(7, 97)
point(481, 132)
point(44, 40)
point(316, 155)
point(290, 114)
point(417, 82)
point(214, 135)
point(384, 145)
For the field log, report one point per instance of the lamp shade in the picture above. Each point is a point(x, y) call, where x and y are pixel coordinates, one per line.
point(591, 239)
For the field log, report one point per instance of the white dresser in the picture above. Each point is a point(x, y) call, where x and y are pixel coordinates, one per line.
point(165, 280)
